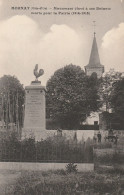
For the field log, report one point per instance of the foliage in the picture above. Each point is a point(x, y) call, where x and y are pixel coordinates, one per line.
point(11, 100)
point(80, 183)
point(117, 100)
point(71, 168)
point(106, 87)
point(71, 96)
point(109, 158)
point(103, 145)
point(54, 149)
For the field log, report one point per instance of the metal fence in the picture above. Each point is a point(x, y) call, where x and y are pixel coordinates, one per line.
point(50, 150)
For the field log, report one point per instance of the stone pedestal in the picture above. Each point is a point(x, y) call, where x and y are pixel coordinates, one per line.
point(34, 117)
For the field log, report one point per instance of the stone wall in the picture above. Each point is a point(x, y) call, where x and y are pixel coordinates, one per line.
point(69, 134)
point(43, 166)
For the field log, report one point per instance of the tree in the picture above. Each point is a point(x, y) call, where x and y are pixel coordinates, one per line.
point(117, 100)
point(106, 87)
point(11, 100)
point(71, 96)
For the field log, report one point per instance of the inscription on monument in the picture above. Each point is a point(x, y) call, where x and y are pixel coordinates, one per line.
point(34, 109)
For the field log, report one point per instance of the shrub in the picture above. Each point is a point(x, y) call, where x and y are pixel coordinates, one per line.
point(71, 168)
point(54, 149)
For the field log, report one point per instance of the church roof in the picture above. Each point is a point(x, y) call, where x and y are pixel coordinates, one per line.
point(94, 60)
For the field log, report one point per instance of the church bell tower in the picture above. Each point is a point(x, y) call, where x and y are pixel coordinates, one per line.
point(94, 61)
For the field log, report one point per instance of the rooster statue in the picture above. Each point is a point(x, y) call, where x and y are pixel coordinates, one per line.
point(36, 73)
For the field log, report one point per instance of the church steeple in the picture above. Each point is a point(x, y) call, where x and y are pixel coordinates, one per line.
point(94, 56)
point(94, 61)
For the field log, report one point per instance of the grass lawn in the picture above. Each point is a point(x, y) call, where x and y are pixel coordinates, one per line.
point(100, 182)
point(8, 181)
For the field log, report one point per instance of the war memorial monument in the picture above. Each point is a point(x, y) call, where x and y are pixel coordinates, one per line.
point(34, 116)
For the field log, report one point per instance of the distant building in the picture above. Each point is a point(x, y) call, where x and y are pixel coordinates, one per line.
point(93, 119)
point(94, 65)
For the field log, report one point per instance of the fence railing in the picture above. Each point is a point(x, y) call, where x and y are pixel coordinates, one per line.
point(51, 150)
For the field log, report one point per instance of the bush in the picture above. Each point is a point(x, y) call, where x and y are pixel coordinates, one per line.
point(71, 168)
point(53, 149)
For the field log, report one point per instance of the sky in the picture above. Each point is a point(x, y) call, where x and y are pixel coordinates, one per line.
point(53, 41)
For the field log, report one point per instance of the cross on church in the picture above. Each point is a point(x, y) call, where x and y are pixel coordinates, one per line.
point(94, 25)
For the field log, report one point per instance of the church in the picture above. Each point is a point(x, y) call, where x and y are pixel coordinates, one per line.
point(94, 65)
